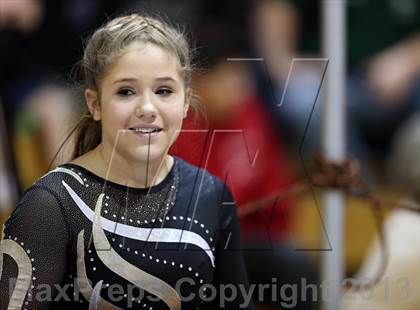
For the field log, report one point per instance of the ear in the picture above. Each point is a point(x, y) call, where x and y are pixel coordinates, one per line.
point(188, 98)
point(92, 101)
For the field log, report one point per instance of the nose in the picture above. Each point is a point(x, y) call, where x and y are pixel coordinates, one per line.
point(146, 110)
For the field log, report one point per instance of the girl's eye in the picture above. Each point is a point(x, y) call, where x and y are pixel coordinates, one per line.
point(125, 92)
point(164, 92)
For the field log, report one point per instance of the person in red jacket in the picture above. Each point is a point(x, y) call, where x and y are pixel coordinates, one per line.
point(234, 140)
point(241, 148)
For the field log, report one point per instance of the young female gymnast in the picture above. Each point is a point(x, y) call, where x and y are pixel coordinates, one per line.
point(125, 224)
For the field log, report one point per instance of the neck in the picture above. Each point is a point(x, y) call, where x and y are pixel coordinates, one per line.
point(117, 169)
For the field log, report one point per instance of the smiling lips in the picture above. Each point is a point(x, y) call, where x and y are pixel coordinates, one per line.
point(146, 131)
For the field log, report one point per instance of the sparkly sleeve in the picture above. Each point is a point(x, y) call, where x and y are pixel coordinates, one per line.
point(230, 273)
point(33, 251)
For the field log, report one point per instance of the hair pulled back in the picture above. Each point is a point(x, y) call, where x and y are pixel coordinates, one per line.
point(106, 45)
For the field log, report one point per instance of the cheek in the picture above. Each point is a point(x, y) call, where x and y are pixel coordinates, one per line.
point(113, 120)
point(174, 116)
point(116, 115)
point(174, 122)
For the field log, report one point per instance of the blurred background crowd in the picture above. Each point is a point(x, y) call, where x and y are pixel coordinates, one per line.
point(253, 134)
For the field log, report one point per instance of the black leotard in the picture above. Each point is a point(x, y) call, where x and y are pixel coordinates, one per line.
point(155, 248)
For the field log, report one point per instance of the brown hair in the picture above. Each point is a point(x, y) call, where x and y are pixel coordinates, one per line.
point(106, 45)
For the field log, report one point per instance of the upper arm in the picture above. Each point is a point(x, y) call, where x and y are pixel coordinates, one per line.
point(230, 273)
point(34, 249)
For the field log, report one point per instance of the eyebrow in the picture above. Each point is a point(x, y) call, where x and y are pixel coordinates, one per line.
point(160, 79)
point(165, 79)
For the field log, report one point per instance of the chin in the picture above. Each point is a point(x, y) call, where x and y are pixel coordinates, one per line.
point(145, 154)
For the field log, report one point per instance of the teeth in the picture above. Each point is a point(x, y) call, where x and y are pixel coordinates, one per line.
point(146, 130)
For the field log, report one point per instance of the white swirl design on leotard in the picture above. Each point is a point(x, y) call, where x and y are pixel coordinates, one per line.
point(171, 235)
point(18, 254)
point(124, 269)
point(82, 279)
point(67, 171)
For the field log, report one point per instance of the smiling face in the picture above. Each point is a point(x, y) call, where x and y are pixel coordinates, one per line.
point(141, 103)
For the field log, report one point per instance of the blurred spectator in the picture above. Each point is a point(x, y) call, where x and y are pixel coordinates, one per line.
point(386, 91)
point(384, 69)
point(40, 41)
point(275, 34)
point(383, 44)
point(238, 144)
